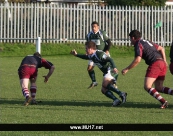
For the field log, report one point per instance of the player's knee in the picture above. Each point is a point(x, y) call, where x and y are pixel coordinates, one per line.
point(146, 87)
point(107, 86)
point(159, 88)
point(103, 90)
point(104, 85)
point(90, 68)
point(33, 80)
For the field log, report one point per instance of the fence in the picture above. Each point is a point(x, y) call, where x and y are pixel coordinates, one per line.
point(70, 23)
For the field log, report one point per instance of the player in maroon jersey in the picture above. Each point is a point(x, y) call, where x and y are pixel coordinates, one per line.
point(154, 56)
point(28, 72)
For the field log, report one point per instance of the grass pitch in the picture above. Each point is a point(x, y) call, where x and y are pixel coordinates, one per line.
point(66, 99)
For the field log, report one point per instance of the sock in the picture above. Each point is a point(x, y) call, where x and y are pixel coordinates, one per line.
point(33, 90)
point(25, 92)
point(92, 75)
point(153, 92)
point(167, 90)
point(116, 77)
point(110, 95)
point(112, 88)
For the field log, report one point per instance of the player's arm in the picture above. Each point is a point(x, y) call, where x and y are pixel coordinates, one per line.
point(74, 52)
point(86, 38)
point(134, 63)
point(108, 45)
point(51, 70)
point(162, 51)
point(50, 66)
point(106, 58)
point(108, 42)
point(137, 59)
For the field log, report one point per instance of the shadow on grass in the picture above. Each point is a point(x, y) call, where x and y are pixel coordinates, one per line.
point(86, 103)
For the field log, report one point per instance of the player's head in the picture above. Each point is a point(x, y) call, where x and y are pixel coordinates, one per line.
point(134, 36)
point(90, 47)
point(37, 54)
point(95, 26)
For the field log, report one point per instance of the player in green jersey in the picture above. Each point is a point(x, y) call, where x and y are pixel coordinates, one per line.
point(107, 66)
point(102, 42)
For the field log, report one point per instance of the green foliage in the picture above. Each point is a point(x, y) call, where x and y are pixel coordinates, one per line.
point(137, 2)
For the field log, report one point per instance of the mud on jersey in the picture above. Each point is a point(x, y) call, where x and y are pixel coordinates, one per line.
point(99, 38)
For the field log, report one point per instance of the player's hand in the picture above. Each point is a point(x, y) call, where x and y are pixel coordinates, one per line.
point(124, 71)
point(115, 70)
point(107, 53)
point(45, 79)
point(166, 64)
point(73, 52)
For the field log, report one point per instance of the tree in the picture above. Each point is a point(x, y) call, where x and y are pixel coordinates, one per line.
point(136, 2)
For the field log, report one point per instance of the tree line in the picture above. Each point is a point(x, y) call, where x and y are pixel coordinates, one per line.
point(111, 2)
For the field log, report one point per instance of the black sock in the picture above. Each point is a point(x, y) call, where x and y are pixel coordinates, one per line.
point(112, 88)
point(116, 77)
point(92, 75)
point(110, 95)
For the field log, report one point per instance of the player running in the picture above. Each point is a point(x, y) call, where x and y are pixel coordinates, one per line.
point(107, 66)
point(28, 72)
point(154, 56)
point(102, 42)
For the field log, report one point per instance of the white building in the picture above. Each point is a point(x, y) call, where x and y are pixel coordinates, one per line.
point(169, 2)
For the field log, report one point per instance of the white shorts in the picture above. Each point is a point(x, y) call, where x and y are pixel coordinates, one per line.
point(91, 63)
point(108, 75)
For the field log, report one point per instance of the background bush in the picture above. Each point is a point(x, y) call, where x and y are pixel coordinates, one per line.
point(137, 2)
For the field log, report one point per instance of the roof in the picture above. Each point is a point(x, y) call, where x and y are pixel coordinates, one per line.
point(169, 2)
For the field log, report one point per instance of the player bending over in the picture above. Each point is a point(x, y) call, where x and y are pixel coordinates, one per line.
point(28, 72)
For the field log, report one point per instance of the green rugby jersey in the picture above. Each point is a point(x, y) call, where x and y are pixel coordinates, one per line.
point(99, 38)
point(103, 61)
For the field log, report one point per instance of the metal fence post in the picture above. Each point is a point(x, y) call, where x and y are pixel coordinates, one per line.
point(38, 45)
